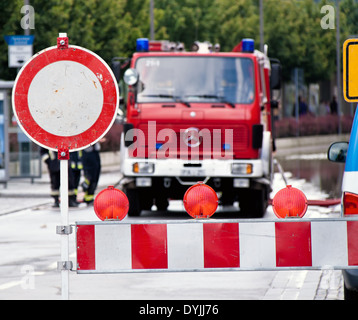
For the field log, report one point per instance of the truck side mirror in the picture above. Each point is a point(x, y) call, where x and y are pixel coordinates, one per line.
point(275, 77)
point(116, 68)
point(131, 76)
point(337, 152)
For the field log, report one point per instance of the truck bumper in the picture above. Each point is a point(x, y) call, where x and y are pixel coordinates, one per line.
point(204, 168)
point(242, 173)
point(178, 175)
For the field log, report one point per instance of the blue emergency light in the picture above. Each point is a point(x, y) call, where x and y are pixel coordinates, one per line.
point(158, 145)
point(248, 45)
point(142, 45)
point(226, 146)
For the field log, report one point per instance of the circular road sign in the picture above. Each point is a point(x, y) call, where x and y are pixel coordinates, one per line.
point(65, 98)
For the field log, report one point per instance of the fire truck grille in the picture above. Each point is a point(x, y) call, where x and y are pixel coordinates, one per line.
point(176, 141)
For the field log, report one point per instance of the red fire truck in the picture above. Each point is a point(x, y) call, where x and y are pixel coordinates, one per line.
point(198, 115)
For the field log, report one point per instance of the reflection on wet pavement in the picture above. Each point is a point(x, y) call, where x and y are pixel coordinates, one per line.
point(316, 169)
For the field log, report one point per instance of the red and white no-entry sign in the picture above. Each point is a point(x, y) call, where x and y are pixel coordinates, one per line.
point(65, 97)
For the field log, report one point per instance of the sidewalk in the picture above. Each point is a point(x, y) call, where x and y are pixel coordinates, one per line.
point(309, 144)
point(21, 194)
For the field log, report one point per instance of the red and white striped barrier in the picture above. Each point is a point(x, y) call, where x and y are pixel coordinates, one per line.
point(114, 247)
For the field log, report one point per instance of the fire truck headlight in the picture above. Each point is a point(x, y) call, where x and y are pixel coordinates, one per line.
point(143, 167)
point(241, 168)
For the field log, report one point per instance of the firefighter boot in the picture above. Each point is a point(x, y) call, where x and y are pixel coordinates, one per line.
point(72, 202)
point(56, 203)
point(88, 199)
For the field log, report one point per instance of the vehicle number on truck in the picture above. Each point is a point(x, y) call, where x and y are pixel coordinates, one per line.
point(192, 172)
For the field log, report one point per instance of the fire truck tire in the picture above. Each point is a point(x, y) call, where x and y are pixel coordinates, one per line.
point(138, 201)
point(253, 203)
point(227, 198)
point(161, 203)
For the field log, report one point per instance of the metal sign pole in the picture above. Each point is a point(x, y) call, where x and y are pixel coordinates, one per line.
point(64, 230)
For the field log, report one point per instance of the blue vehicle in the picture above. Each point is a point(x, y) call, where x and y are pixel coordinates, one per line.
point(347, 153)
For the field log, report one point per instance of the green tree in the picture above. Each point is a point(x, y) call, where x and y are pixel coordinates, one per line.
point(349, 9)
point(294, 35)
point(103, 26)
point(182, 20)
point(10, 17)
point(318, 60)
point(234, 20)
point(292, 28)
point(134, 24)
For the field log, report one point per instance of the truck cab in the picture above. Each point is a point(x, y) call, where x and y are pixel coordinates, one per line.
point(199, 115)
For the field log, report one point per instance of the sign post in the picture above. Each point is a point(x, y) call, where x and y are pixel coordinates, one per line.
point(65, 99)
point(64, 229)
point(4, 137)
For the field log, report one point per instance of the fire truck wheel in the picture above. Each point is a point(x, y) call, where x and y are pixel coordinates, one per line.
point(134, 203)
point(138, 200)
point(227, 198)
point(252, 203)
point(162, 203)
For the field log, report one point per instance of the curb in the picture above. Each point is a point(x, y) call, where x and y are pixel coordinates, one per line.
point(310, 144)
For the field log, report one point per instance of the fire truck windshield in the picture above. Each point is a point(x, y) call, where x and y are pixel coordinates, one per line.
point(193, 79)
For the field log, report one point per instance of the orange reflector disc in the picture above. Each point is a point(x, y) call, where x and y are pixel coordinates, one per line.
point(111, 203)
point(200, 201)
point(350, 203)
point(289, 202)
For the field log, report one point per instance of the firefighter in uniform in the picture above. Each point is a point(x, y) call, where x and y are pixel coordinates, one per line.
point(77, 167)
point(91, 169)
point(53, 164)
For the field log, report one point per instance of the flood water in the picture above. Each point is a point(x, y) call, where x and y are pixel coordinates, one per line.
point(315, 169)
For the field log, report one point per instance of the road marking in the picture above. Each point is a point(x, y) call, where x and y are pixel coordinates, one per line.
point(10, 284)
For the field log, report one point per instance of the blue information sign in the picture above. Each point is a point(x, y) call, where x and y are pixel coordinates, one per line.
point(19, 40)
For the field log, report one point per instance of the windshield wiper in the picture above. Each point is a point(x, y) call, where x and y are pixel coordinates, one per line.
point(212, 96)
point(175, 98)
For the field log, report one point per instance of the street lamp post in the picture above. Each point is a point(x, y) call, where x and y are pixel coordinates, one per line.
point(261, 27)
point(151, 19)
